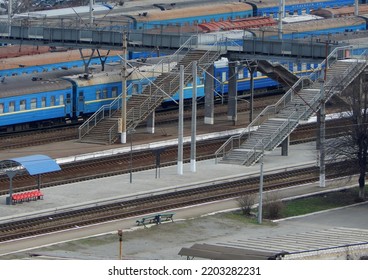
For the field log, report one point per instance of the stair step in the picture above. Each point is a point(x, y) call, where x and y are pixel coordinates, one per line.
point(152, 96)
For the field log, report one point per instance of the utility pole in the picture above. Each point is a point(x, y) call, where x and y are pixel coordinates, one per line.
point(123, 129)
point(281, 16)
point(322, 166)
point(260, 203)
point(10, 8)
point(251, 68)
point(194, 120)
point(356, 8)
point(181, 121)
point(322, 113)
point(91, 13)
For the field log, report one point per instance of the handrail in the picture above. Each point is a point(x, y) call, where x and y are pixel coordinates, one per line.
point(266, 113)
point(269, 111)
point(155, 97)
point(100, 113)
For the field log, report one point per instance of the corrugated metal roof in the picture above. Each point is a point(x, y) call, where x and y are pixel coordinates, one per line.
point(37, 164)
point(218, 252)
point(247, 23)
point(212, 9)
point(338, 12)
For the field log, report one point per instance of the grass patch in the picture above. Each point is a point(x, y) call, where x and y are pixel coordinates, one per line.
point(239, 217)
point(319, 203)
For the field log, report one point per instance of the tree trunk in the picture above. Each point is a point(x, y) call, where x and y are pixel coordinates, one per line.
point(362, 185)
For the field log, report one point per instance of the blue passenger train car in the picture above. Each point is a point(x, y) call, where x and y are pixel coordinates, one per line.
point(30, 101)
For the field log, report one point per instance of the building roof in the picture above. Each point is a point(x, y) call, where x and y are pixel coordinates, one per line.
point(246, 23)
point(34, 164)
point(218, 252)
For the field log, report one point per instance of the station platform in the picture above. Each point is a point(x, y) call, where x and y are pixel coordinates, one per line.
point(105, 190)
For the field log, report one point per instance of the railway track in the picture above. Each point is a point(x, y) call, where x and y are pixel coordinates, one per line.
point(164, 201)
point(143, 160)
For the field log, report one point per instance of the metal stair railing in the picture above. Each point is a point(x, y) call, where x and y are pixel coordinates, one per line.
point(339, 82)
point(270, 111)
point(337, 54)
point(134, 115)
point(270, 141)
point(106, 111)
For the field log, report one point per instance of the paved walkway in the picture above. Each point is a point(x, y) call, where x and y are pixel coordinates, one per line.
point(102, 190)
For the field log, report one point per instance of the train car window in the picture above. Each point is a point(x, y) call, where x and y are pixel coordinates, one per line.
point(135, 89)
point(98, 94)
point(68, 99)
point(223, 78)
point(295, 67)
point(33, 103)
point(22, 105)
point(1, 108)
point(241, 74)
point(61, 100)
point(104, 93)
point(11, 106)
point(81, 96)
point(114, 91)
point(52, 101)
point(43, 102)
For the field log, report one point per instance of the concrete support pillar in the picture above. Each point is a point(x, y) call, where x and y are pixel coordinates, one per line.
point(285, 146)
point(232, 110)
point(209, 96)
point(151, 123)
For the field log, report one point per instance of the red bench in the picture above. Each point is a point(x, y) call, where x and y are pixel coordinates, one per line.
point(26, 196)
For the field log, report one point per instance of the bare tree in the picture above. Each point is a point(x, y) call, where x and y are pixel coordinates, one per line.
point(246, 203)
point(353, 145)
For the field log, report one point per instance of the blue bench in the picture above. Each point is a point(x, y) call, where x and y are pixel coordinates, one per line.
point(155, 219)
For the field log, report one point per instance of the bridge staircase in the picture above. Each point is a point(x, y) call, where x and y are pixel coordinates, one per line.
point(102, 128)
point(276, 122)
point(277, 72)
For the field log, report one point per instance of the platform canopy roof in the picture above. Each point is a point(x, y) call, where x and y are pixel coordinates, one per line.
point(222, 252)
point(34, 164)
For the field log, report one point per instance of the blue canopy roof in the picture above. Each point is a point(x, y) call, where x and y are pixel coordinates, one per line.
point(37, 164)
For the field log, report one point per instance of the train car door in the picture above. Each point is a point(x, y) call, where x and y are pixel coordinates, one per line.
point(68, 105)
point(80, 102)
